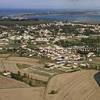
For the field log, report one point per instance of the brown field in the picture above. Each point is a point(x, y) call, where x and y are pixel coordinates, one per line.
point(20, 60)
point(10, 64)
point(15, 90)
point(73, 86)
point(96, 61)
point(36, 76)
point(79, 85)
point(8, 83)
point(22, 94)
point(4, 55)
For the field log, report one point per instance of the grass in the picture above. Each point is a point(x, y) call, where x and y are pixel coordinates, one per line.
point(95, 61)
point(43, 73)
point(23, 66)
point(26, 79)
point(25, 22)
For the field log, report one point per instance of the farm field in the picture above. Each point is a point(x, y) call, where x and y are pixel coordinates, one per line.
point(68, 86)
point(79, 85)
point(8, 83)
point(96, 61)
point(22, 94)
point(73, 86)
point(22, 64)
point(11, 89)
point(30, 66)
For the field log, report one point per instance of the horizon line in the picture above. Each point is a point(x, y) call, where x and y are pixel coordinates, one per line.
point(52, 8)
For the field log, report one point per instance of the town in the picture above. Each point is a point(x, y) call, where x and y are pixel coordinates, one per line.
point(63, 44)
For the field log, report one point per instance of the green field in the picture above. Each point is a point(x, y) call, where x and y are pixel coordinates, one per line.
point(24, 22)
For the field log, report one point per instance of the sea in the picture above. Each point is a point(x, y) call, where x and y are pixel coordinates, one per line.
point(69, 15)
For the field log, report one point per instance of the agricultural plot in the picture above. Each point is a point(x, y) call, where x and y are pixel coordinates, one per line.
point(96, 60)
point(73, 86)
point(36, 76)
point(23, 60)
point(1, 66)
point(22, 94)
point(78, 85)
point(22, 64)
point(9, 66)
point(4, 55)
point(95, 63)
point(8, 83)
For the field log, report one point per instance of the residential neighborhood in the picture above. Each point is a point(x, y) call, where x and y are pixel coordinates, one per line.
point(47, 41)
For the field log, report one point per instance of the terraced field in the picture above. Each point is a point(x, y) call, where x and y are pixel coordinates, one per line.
point(73, 86)
point(23, 60)
point(11, 64)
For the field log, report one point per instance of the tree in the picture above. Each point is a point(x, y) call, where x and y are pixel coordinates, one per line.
point(25, 75)
point(19, 74)
point(30, 83)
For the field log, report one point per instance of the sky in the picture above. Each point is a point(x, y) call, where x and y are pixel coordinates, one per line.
point(54, 4)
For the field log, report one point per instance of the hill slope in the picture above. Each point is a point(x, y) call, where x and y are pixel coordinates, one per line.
point(73, 86)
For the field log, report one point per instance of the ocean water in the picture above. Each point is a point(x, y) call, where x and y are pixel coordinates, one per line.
point(7, 12)
point(48, 14)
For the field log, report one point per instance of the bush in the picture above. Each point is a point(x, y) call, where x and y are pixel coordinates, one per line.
point(53, 92)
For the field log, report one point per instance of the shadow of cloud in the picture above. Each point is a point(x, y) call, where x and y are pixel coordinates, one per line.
point(97, 78)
